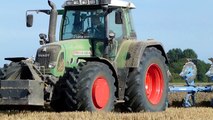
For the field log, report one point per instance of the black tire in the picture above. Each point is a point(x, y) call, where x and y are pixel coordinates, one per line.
point(83, 94)
point(57, 102)
point(140, 93)
point(1, 73)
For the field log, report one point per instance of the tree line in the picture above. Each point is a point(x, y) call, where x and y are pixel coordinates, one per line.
point(178, 58)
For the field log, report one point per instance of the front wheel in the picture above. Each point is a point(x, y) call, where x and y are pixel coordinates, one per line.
point(58, 98)
point(1, 73)
point(147, 86)
point(90, 87)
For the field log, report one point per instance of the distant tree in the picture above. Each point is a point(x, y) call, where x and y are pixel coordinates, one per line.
point(175, 54)
point(189, 53)
point(175, 69)
point(177, 58)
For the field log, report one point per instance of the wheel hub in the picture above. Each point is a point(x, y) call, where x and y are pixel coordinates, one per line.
point(100, 93)
point(154, 84)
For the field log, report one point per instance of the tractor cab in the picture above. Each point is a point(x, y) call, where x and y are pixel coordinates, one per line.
point(97, 19)
point(104, 23)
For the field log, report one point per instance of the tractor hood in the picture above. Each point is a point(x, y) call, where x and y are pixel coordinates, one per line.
point(78, 47)
point(58, 55)
point(73, 49)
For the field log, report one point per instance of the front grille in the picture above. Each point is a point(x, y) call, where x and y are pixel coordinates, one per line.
point(43, 61)
point(46, 55)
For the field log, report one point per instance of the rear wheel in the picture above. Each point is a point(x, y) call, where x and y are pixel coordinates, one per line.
point(147, 86)
point(90, 87)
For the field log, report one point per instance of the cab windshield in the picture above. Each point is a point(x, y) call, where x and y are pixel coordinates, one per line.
point(78, 24)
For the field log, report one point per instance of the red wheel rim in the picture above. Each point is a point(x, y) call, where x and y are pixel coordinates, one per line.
point(100, 93)
point(154, 84)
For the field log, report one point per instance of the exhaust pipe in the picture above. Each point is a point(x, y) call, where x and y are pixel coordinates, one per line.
point(52, 22)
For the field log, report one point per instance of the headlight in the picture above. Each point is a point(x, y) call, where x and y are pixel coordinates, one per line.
point(84, 2)
point(92, 2)
point(72, 2)
point(52, 65)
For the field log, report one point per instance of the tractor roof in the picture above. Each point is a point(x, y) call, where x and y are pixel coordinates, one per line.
point(113, 3)
point(121, 3)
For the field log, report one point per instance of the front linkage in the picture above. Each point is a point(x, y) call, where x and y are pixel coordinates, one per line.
point(22, 84)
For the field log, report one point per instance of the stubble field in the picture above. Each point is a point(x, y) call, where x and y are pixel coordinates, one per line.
point(202, 111)
point(169, 114)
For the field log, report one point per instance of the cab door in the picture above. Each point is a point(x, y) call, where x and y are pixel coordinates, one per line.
point(115, 26)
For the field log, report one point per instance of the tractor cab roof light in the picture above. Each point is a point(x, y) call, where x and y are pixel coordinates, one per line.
point(72, 2)
point(86, 2)
point(92, 2)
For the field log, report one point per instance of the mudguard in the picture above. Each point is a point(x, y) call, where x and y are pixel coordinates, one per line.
point(131, 51)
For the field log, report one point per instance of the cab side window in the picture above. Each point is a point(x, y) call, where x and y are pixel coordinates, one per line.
point(116, 28)
point(129, 22)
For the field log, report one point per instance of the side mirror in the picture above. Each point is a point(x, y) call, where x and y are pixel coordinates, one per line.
point(118, 17)
point(29, 21)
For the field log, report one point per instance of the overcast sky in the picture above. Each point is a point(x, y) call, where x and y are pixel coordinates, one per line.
point(176, 23)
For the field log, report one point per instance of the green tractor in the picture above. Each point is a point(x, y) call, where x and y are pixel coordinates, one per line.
point(97, 63)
